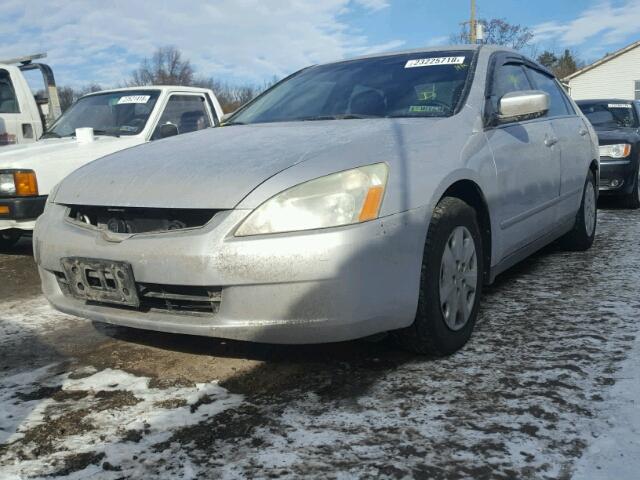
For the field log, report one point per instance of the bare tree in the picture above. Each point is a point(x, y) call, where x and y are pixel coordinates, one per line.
point(498, 31)
point(165, 67)
point(561, 65)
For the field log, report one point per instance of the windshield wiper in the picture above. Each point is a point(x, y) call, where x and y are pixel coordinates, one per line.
point(104, 132)
point(346, 116)
point(230, 124)
point(51, 134)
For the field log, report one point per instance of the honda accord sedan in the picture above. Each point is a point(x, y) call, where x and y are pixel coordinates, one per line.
point(378, 194)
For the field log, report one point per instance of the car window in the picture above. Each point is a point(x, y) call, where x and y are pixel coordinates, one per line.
point(557, 105)
point(187, 112)
point(8, 100)
point(118, 113)
point(610, 114)
point(427, 84)
point(510, 78)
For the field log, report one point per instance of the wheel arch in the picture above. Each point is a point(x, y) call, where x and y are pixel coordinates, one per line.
point(471, 193)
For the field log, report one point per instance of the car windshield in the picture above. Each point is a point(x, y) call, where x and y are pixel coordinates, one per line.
point(427, 84)
point(610, 114)
point(114, 113)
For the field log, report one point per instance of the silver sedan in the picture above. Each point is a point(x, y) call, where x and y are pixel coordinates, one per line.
point(364, 196)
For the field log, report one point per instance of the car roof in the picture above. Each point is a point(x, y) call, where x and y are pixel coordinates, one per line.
point(440, 48)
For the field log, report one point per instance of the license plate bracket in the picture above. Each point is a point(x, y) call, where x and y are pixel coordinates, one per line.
point(99, 280)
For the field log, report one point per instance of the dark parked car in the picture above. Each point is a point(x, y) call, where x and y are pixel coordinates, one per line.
point(616, 123)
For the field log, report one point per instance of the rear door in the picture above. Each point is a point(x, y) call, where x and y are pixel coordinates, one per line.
point(573, 141)
point(527, 161)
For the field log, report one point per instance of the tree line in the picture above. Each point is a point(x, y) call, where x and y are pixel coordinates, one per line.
point(168, 66)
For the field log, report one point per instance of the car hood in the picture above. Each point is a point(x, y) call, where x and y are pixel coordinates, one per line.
point(53, 158)
point(610, 136)
point(216, 168)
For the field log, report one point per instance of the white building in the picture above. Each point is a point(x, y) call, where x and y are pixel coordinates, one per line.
point(615, 76)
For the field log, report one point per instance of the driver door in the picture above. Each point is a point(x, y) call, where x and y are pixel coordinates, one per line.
point(187, 112)
point(527, 163)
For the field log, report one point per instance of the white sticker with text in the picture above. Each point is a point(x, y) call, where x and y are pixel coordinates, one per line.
point(134, 99)
point(619, 105)
point(432, 62)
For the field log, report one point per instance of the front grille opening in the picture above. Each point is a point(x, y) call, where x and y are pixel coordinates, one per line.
point(179, 298)
point(141, 220)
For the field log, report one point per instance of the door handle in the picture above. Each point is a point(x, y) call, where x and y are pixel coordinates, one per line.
point(583, 131)
point(550, 141)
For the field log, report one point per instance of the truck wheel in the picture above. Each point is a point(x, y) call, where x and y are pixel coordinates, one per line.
point(8, 238)
point(584, 231)
point(632, 200)
point(450, 283)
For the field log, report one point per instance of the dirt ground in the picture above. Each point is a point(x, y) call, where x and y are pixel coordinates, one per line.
point(524, 399)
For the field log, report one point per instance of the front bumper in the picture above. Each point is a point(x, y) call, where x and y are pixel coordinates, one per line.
point(308, 287)
point(617, 177)
point(23, 212)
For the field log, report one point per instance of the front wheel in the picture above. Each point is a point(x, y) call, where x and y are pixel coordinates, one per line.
point(8, 238)
point(450, 284)
point(584, 231)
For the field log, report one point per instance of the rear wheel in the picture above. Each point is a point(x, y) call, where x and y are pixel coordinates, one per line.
point(632, 200)
point(584, 231)
point(8, 238)
point(450, 284)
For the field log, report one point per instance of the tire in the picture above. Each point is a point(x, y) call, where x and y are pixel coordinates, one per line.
point(8, 238)
point(632, 200)
point(436, 330)
point(581, 237)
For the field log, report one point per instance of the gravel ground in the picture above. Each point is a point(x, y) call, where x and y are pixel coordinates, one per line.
point(541, 391)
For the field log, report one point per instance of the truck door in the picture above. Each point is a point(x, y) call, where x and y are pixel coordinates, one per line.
point(9, 110)
point(187, 112)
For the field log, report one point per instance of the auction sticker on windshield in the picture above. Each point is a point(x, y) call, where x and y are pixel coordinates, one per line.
point(619, 105)
point(434, 61)
point(134, 99)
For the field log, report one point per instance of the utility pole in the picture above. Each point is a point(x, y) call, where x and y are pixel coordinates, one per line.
point(473, 35)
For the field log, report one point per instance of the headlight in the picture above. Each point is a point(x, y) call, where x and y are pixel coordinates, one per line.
point(621, 150)
point(21, 183)
point(342, 198)
point(7, 184)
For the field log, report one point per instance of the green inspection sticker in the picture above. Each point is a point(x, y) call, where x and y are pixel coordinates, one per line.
point(425, 109)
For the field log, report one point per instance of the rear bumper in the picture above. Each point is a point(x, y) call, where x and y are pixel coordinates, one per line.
point(23, 212)
point(310, 287)
point(623, 172)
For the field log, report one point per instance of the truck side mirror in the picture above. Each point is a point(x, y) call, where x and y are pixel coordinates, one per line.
point(168, 130)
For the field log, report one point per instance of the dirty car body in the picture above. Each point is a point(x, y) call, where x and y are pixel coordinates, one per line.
point(304, 219)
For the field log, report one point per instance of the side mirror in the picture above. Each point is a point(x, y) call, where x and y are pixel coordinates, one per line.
point(526, 103)
point(168, 130)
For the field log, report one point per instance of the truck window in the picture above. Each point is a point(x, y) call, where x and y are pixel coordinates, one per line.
point(187, 112)
point(8, 100)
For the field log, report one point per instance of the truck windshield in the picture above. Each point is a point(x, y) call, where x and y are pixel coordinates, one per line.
point(427, 84)
point(610, 114)
point(114, 113)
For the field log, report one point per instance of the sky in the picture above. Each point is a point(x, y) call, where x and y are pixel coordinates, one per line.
point(101, 42)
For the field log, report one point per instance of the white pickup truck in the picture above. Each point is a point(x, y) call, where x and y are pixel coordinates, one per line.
point(23, 115)
point(96, 125)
